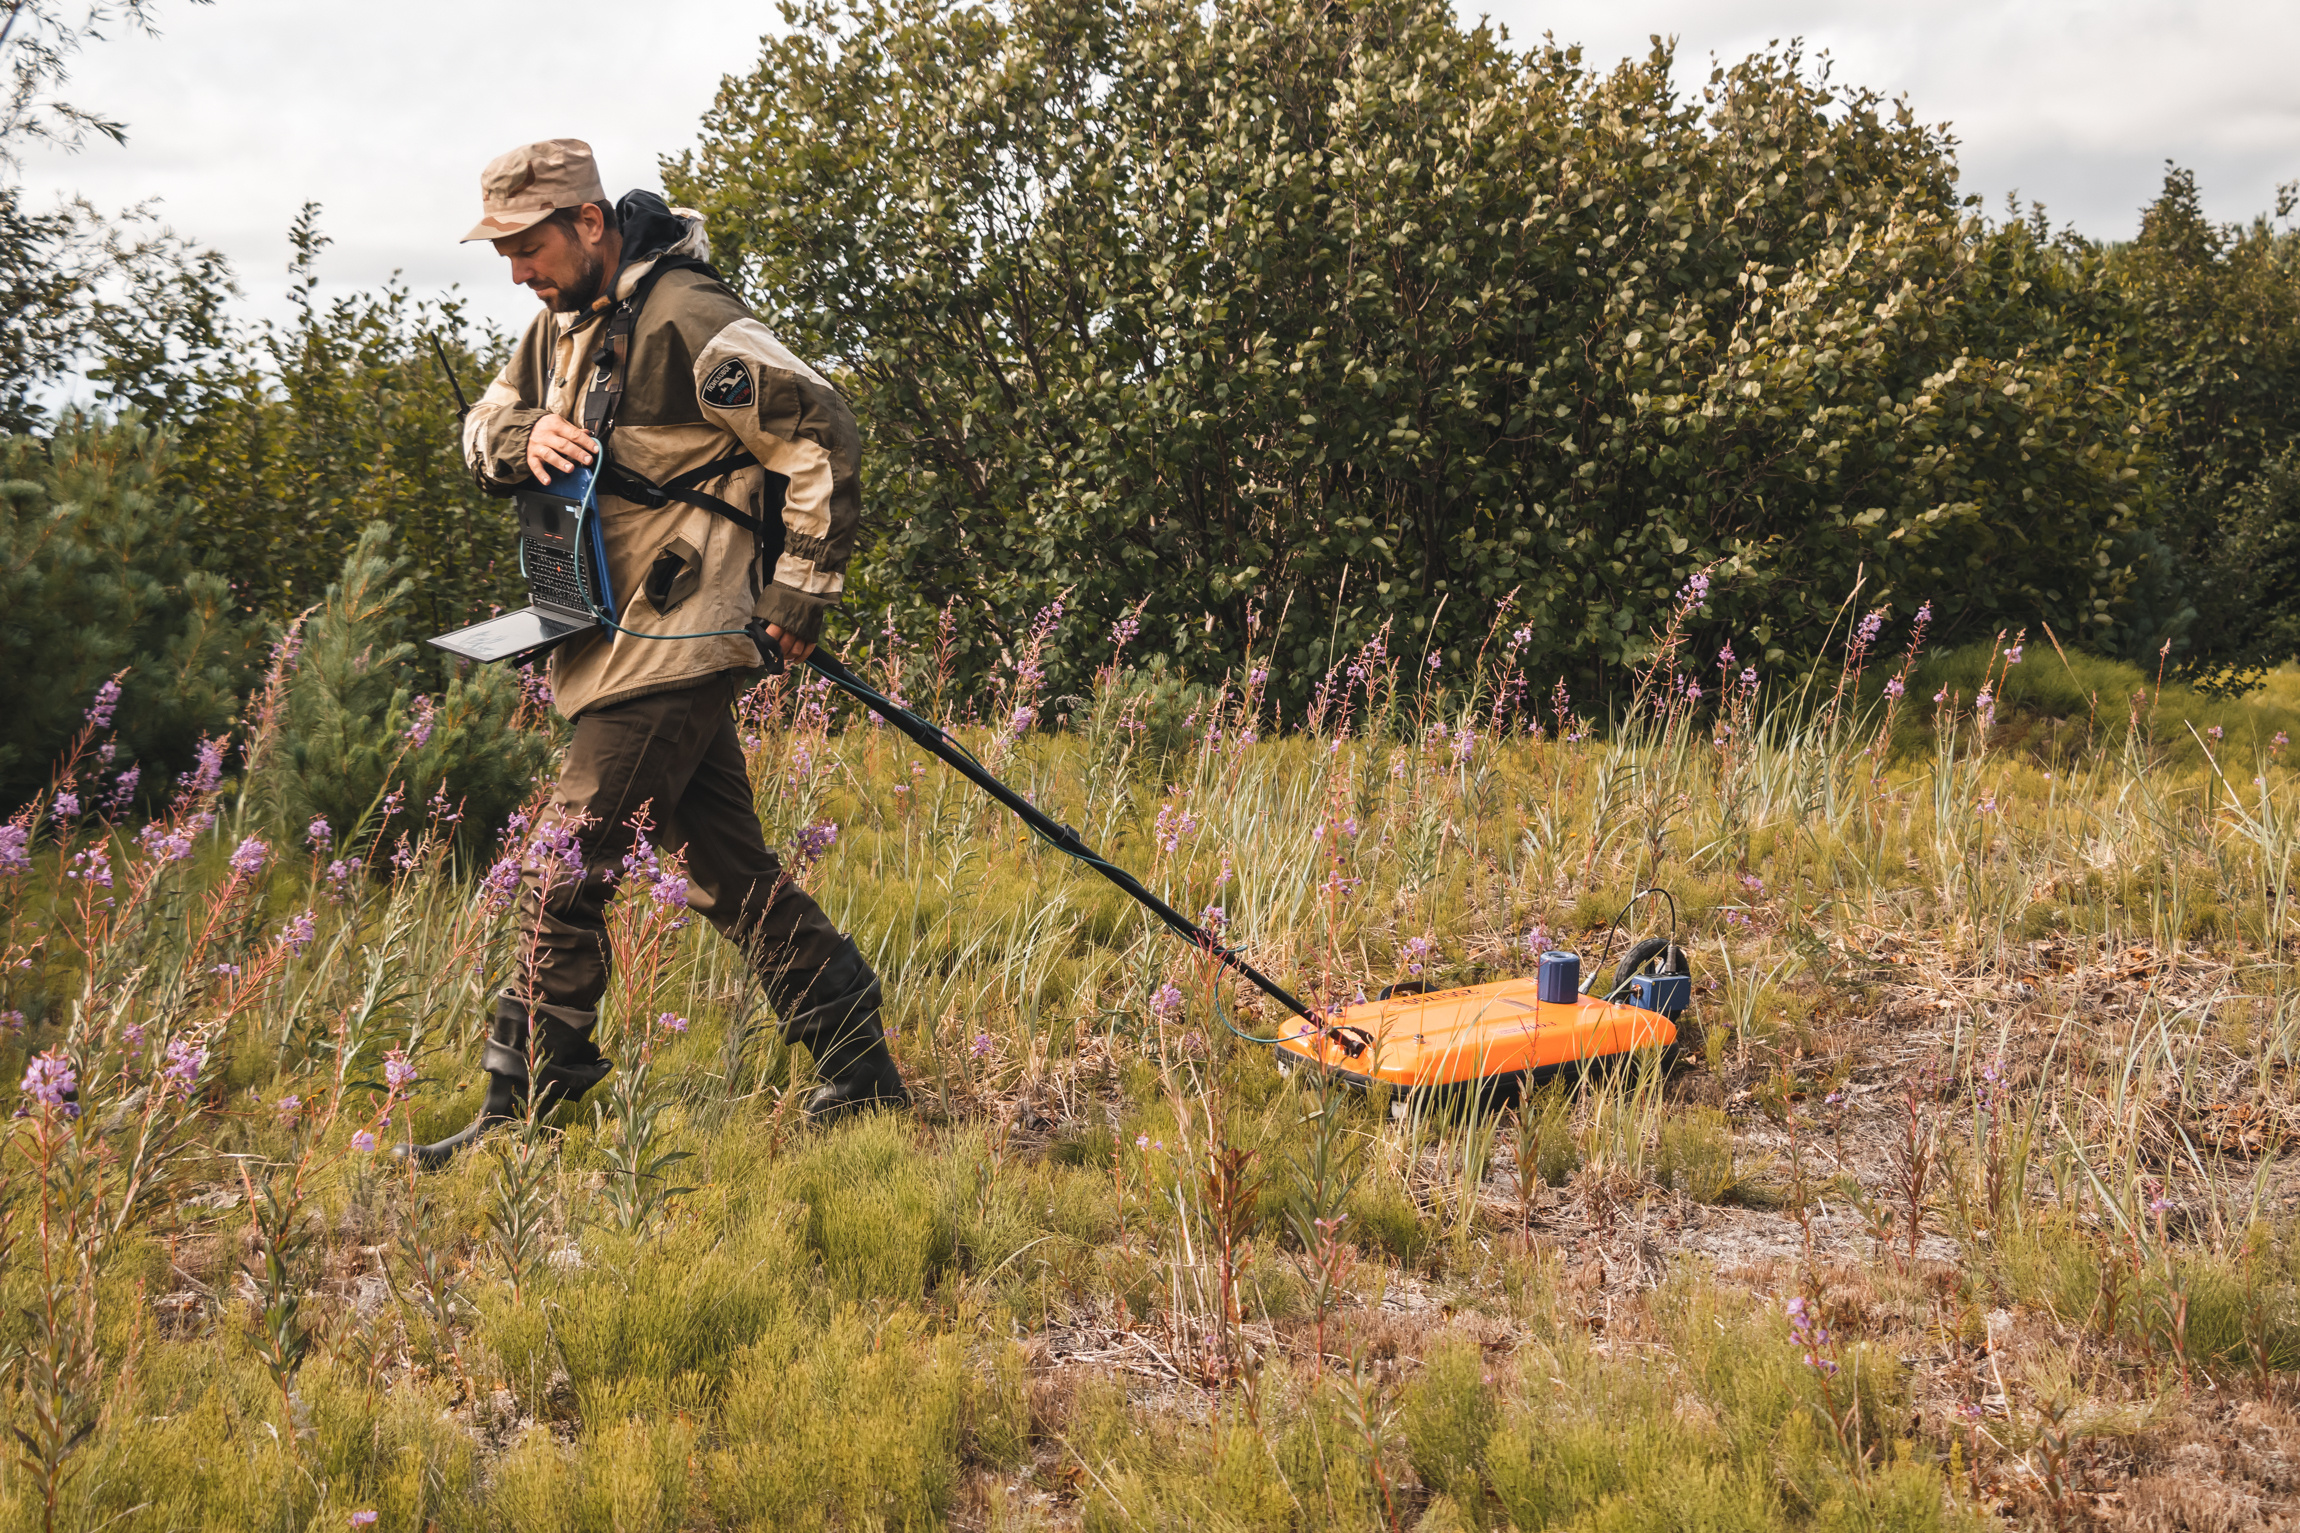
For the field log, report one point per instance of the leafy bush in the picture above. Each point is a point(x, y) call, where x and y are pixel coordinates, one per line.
point(353, 730)
point(1357, 316)
point(98, 576)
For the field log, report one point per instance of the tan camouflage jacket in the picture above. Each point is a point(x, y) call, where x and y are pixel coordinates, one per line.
point(705, 377)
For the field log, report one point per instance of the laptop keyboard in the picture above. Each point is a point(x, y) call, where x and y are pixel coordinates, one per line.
point(551, 575)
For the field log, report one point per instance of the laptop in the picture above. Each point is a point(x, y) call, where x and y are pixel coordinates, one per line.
point(552, 548)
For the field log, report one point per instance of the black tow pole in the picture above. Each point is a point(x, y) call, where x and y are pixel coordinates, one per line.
point(930, 738)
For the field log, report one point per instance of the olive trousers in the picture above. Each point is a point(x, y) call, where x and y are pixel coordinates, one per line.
point(676, 756)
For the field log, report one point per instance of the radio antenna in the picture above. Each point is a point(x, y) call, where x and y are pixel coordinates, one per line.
point(462, 407)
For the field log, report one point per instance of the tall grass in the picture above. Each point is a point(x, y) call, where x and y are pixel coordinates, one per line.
point(2018, 1008)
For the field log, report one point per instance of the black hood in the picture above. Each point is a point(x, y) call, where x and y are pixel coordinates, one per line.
point(649, 226)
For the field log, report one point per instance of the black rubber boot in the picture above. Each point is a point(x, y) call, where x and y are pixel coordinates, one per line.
point(834, 1011)
point(567, 1064)
point(504, 1098)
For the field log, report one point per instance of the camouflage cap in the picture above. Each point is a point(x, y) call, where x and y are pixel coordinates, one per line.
point(520, 189)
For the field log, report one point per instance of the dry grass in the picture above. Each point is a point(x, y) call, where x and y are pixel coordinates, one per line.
point(1989, 1078)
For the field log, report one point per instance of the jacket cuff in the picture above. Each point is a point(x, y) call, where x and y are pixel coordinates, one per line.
point(499, 457)
point(794, 612)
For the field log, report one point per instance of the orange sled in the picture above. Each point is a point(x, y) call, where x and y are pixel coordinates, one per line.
point(1494, 1037)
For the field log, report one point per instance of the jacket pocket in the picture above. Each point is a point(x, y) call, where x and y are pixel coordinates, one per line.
point(676, 574)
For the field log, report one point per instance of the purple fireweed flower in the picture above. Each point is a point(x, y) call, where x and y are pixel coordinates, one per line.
point(1696, 590)
point(2214, 731)
point(1924, 614)
point(1213, 918)
point(1866, 633)
point(1024, 717)
point(1435, 657)
point(107, 699)
point(227, 970)
point(421, 718)
point(186, 1060)
point(297, 935)
point(1894, 686)
point(500, 882)
point(288, 1108)
point(51, 1080)
point(207, 773)
point(981, 1046)
point(2279, 742)
point(1693, 691)
point(249, 856)
point(2012, 655)
point(811, 844)
point(13, 1021)
point(398, 1071)
point(1416, 950)
point(1174, 822)
point(1166, 1005)
point(67, 805)
point(1537, 941)
point(319, 834)
point(364, 1142)
point(92, 867)
point(15, 849)
point(393, 800)
point(558, 841)
point(362, 1519)
point(403, 855)
point(1725, 658)
point(1123, 631)
point(1748, 679)
point(1464, 741)
point(339, 874)
point(671, 1022)
point(123, 789)
point(164, 843)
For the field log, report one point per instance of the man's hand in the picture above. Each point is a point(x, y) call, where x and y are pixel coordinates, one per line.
point(556, 443)
point(795, 649)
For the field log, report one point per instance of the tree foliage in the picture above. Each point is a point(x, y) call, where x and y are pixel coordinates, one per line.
point(1316, 317)
point(98, 575)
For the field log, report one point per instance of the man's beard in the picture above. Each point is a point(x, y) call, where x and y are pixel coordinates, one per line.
point(585, 290)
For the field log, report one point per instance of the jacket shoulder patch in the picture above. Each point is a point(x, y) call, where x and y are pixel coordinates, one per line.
point(729, 386)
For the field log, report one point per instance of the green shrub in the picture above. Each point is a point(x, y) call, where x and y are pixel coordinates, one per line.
point(1448, 1413)
point(622, 1477)
point(872, 1214)
point(855, 1426)
point(98, 575)
point(350, 733)
point(648, 1327)
point(1695, 1154)
point(1382, 1218)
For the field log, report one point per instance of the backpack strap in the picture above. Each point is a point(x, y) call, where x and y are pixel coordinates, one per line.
point(605, 395)
point(685, 488)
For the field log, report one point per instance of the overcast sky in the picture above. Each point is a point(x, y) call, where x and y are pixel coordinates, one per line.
point(244, 110)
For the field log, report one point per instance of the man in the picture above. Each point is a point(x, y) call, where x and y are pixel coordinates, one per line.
point(699, 422)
